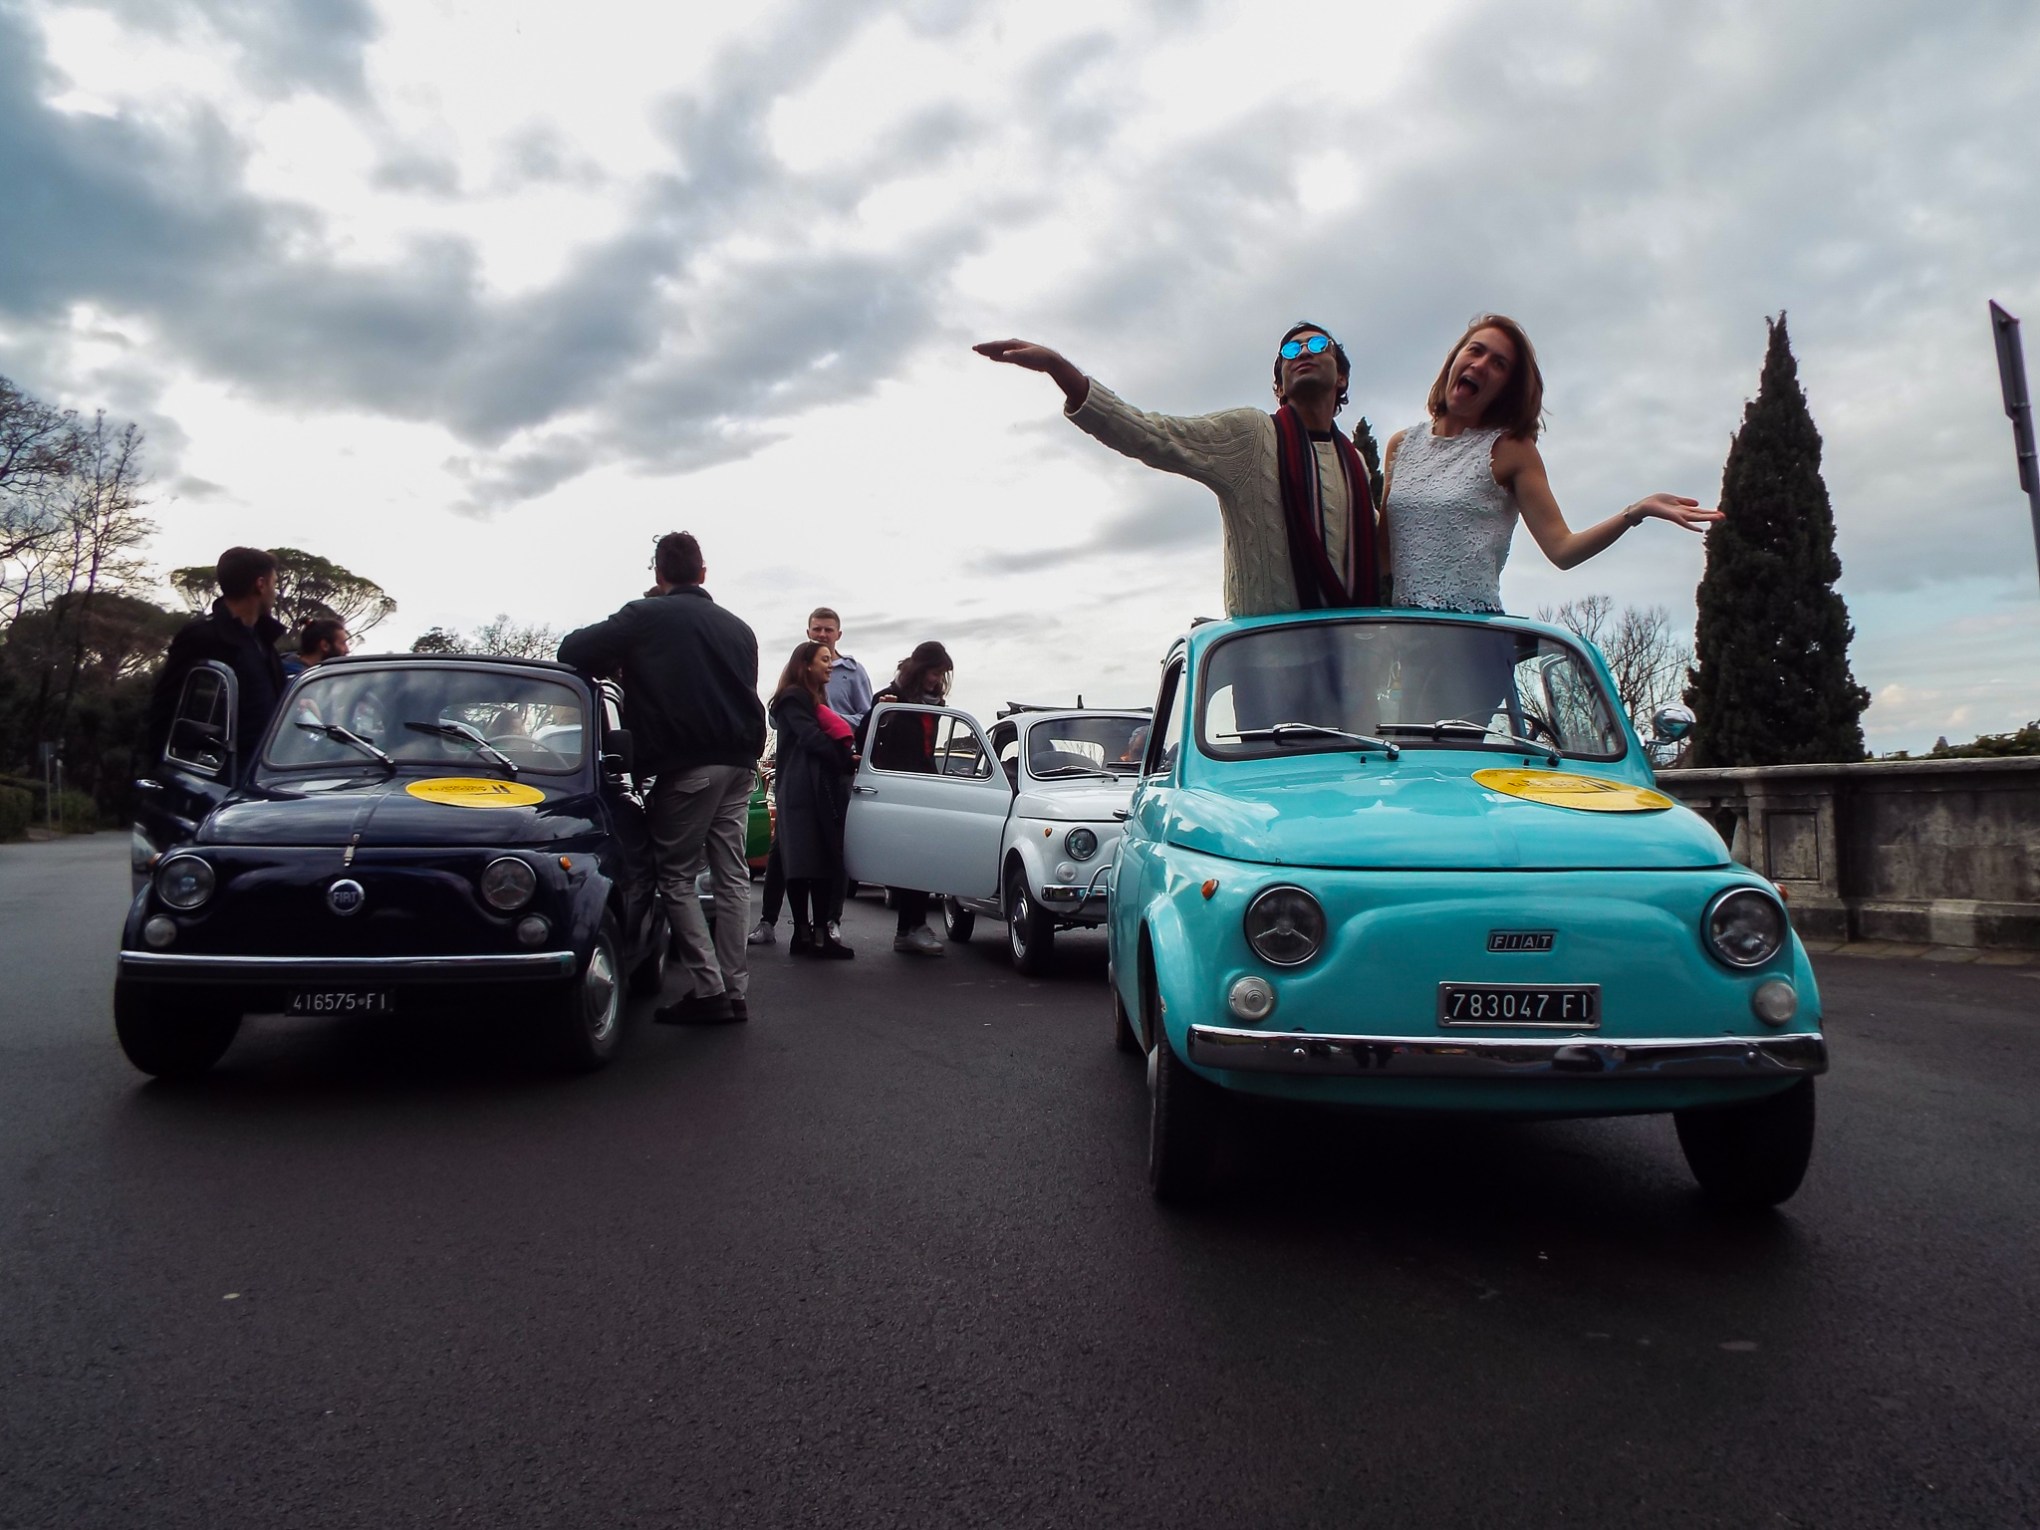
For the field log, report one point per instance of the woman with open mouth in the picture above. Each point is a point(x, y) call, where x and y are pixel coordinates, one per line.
point(1456, 483)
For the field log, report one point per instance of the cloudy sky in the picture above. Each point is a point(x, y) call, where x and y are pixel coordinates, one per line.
point(477, 296)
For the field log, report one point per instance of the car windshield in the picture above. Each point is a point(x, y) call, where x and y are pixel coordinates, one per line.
point(1402, 682)
point(1079, 746)
point(493, 720)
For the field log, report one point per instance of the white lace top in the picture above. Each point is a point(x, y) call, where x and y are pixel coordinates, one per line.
point(1449, 522)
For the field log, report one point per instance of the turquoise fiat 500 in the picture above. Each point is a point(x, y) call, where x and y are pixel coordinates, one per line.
point(1417, 861)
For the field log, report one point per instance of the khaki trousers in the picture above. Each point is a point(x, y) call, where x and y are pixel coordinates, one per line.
point(698, 815)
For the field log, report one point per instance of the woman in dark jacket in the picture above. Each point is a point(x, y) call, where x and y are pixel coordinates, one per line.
point(813, 791)
point(906, 742)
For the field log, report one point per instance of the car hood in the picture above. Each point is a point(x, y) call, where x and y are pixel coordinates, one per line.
point(1086, 801)
point(333, 810)
point(1427, 816)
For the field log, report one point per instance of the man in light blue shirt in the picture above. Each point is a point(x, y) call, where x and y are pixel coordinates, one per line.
point(849, 694)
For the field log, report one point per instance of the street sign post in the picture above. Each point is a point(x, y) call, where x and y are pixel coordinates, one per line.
point(2012, 379)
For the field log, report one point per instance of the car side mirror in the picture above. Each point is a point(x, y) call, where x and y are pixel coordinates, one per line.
point(1670, 724)
point(619, 757)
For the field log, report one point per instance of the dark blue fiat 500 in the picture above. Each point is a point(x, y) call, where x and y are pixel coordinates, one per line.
point(412, 833)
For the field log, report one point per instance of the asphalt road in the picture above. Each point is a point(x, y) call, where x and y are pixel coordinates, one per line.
point(885, 1256)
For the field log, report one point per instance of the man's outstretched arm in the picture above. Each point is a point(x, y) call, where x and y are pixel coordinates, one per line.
point(1075, 385)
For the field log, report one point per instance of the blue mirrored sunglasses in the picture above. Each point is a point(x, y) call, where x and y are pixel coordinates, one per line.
point(1317, 345)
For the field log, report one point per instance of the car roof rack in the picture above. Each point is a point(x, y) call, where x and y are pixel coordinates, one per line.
point(1015, 708)
point(348, 660)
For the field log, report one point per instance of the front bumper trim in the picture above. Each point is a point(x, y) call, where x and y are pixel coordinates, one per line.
point(182, 967)
point(1579, 1057)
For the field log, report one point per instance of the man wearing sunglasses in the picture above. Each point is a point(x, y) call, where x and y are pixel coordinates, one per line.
point(1292, 493)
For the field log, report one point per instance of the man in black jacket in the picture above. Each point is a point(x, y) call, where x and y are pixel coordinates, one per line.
point(241, 633)
point(690, 698)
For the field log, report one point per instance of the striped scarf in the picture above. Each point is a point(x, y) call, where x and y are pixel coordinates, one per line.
point(1318, 584)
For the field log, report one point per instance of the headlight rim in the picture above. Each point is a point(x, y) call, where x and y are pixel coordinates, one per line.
point(522, 868)
point(167, 866)
point(1090, 837)
point(1714, 946)
point(1317, 944)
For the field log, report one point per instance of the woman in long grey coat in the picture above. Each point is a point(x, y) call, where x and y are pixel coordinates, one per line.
point(813, 792)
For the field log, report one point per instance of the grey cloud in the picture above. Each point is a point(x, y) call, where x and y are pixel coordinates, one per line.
point(652, 348)
point(1165, 515)
point(283, 47)
point(408, 171)
point(512, 477)
point(540, 155)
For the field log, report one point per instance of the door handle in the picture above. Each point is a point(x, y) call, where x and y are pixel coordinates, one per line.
point(865, 791)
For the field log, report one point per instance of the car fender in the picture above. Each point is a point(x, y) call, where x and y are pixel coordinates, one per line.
point(1024, 839)
point(1178, 969)
point(588, 898)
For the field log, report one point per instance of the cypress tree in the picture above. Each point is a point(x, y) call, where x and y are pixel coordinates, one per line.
point(1771, 681)
point(1363, 441)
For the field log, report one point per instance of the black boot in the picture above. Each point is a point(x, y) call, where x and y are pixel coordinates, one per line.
point(803, 941)
point(828, 945)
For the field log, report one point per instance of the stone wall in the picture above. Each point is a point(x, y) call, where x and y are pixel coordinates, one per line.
point(1936, 852)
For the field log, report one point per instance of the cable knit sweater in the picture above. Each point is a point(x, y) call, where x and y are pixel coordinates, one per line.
point(1233, 454)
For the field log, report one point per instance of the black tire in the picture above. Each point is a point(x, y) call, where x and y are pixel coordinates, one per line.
point(1183, 1116)
point(1750, 1157)
point(587, 1018)
point(648, 980)
point(170, 1038)
point(957, 921)
point(1122, 1028)
point(1030, 932)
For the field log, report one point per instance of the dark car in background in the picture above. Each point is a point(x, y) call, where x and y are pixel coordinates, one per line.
point(411, 833)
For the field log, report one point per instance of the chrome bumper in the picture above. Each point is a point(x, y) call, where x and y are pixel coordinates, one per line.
point(1752, 1057)
point(353, 971)
point(1066, 898)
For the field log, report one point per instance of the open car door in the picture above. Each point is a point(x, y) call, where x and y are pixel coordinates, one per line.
point(196, 769)
point(929, 804)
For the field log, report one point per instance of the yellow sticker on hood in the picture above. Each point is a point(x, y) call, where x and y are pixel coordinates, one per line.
point(475, 792)
point(1559, 788)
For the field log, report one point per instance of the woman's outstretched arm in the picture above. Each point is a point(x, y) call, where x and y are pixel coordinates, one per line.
point(1519, 468)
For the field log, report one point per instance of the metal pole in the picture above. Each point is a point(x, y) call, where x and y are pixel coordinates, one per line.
point(2012, 379)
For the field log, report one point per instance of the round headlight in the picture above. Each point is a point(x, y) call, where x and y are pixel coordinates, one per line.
point(1285, 926)
point(1081, 843)
point(532, 930)
point(508, 883)
point(1745, 927)
point(160, 932)
point(184, 882)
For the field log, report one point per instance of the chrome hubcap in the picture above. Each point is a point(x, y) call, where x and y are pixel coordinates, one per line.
point(599, 992)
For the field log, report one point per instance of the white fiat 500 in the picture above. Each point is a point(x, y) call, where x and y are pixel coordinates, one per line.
point(1018, 822)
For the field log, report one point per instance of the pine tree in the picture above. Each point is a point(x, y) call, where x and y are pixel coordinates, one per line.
point(1771, 681)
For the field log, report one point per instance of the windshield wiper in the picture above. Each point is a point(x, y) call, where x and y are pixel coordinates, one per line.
point(340, 735)
point(1050, 771)
point(1299, 732)
point(462, 733)
point(1445, 725)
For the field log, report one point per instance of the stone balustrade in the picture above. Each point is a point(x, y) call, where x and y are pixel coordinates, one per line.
point(1929, 852)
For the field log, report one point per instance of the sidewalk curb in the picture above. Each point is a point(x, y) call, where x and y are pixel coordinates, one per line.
point(1892, 950)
